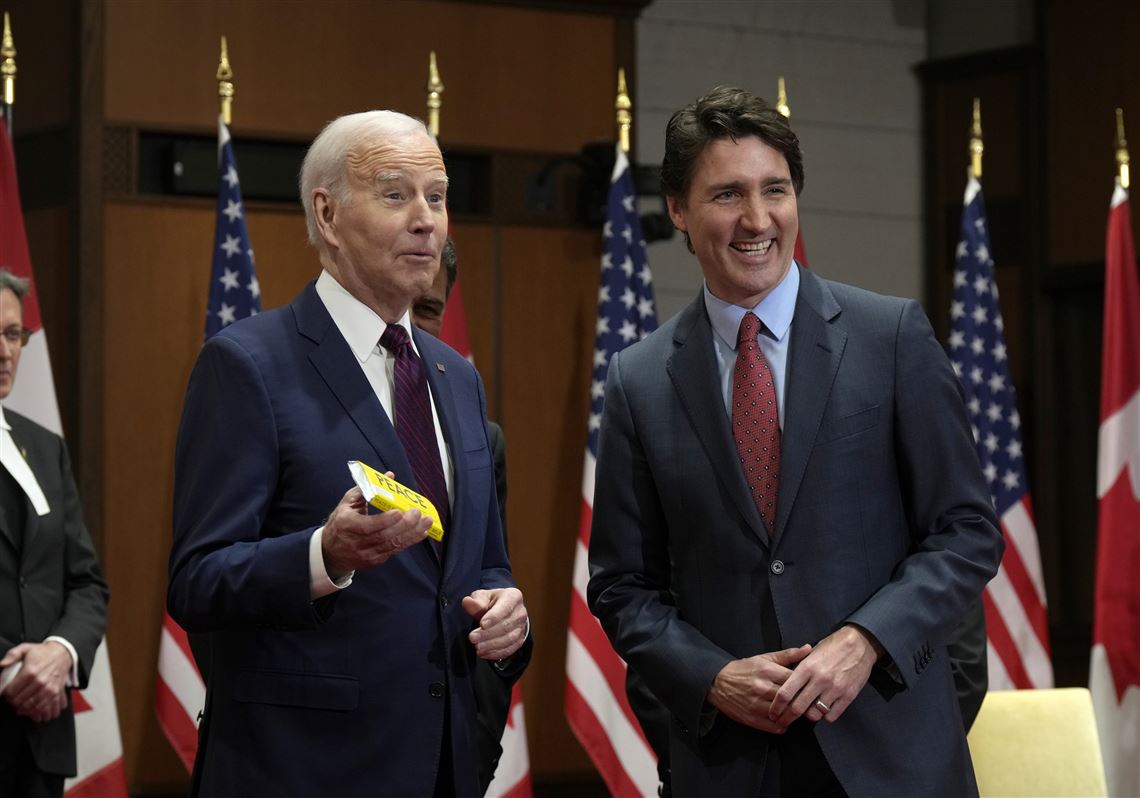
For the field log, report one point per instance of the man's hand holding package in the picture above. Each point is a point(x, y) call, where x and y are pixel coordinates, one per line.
point(502, 622)
point(353, 539)
point(39, 690)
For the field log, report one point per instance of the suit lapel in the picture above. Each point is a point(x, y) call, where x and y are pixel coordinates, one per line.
point(694, 373)
point(815, 351)
point(334, 361)
point(444, 398)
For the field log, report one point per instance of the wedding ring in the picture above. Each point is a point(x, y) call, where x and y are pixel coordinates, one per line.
point(822, 707)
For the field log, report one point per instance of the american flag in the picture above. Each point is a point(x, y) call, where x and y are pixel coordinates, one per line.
point(1016, 623)
point(180, 693)
point(596, 704)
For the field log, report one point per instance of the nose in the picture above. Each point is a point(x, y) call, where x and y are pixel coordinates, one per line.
point(424, 216)
point(755, 216)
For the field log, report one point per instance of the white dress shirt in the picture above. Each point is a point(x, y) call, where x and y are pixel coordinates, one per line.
point(362, 328)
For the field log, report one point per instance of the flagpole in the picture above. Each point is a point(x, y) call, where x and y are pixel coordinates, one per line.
point(977, 147)
point(8, 71)
point(782, 98)
point(1122, 160)
point(623, 107)
point(225, 77)
point(434, 96)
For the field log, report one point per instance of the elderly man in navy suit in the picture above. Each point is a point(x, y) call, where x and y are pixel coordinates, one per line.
point(789, 516)
point(343, 642)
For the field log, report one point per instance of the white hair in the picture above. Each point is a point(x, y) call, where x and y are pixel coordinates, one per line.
point(325, 164)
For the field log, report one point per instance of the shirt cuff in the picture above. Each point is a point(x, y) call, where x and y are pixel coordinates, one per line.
point(319, 582)
point(73, 676)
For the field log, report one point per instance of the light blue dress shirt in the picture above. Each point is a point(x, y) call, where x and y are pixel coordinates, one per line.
point(775, 312)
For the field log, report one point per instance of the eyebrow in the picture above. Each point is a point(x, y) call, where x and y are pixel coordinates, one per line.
point(393, 177)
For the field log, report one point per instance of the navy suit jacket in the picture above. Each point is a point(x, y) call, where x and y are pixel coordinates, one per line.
point(50, 584)
point(883, 520)
point(351, 694)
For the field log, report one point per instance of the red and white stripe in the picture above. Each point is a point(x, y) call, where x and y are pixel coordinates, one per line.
point(1114, 670)
point(1017, 624)
point(179, 692)
point(596, 704)
point(99, 748)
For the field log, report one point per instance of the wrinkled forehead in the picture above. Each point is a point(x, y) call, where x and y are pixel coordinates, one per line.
point(405, 152)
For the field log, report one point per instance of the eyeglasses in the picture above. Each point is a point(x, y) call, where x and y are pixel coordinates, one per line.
point(16, 336)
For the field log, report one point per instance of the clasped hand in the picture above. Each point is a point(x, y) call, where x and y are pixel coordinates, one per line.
point(769, 691)
point(39, 690)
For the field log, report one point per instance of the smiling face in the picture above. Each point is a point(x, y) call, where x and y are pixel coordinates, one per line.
point(741, 216)
point(383, 240)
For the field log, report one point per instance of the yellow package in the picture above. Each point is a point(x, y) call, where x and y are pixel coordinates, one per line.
point(385, 494)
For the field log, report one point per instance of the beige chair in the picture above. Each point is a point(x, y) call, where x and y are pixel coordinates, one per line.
point(1037, 743)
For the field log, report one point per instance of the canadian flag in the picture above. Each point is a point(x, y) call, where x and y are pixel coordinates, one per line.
point(1114, 670)
point(512, 777)
point(99, 746)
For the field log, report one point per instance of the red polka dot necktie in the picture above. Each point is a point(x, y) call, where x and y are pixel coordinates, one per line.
point(755, 420)
point(414, 424)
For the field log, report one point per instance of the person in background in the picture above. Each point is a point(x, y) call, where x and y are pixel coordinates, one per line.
point(492, 690)
point(53, 599)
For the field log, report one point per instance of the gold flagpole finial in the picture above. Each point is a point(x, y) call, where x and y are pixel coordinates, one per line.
point(8, 66)
point(623, 107)
point(1122, 159)
point(976, 145)
point(434, 95)
point(782, 98)
point(225, 76)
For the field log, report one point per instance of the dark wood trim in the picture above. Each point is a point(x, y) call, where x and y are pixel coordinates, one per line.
point(609, 8)
point(89, 260)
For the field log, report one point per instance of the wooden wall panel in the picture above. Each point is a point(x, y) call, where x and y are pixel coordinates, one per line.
point(515, 78)
point(549, 295)
point(1092, 65)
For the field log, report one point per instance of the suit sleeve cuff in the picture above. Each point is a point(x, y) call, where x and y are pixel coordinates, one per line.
point(320, 584)
point(73, 675)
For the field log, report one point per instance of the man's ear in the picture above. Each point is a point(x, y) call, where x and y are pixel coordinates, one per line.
point(324, 212)
point(676, 212)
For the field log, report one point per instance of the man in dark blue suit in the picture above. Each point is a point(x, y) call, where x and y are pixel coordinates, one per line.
point(343, 642)
point(790, 520)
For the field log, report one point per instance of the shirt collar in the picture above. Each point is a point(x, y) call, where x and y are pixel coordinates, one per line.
point(775, 310)
point(3, 421)
point(357, 322)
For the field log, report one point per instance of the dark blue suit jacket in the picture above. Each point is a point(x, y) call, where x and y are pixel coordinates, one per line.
point(346, 695)
point(883, 520)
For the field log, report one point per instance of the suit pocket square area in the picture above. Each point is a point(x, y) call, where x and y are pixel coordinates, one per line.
point(850, 424)
point(294, 689)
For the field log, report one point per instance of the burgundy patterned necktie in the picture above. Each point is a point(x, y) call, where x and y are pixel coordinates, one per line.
point(414, 425)
point(755, 420)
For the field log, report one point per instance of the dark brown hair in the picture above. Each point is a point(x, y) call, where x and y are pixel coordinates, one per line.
point(725, 112)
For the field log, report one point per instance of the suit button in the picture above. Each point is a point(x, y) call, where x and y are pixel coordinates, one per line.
point(23, 582)
point(436, 689)
point(777, 567)
point(443, 600)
